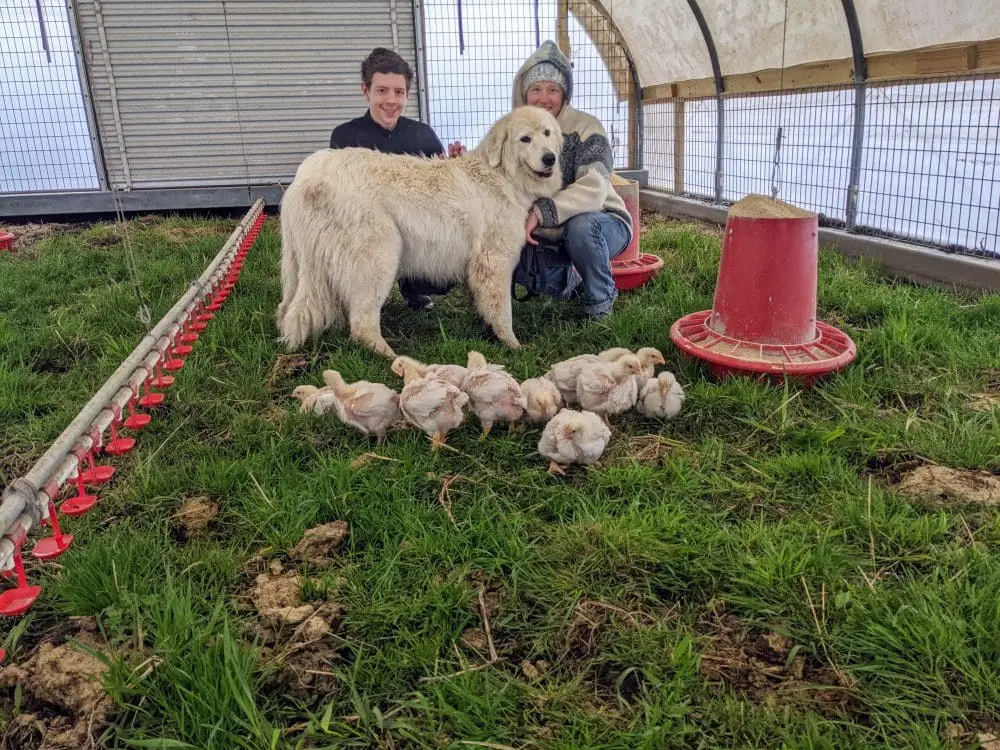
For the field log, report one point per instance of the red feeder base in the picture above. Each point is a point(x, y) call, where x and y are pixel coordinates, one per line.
point(138, 421)
point(632, 274)
point(188, 338)
point(173, 364)
point(98, 474)
point(15, 602)
point(77, 506)
point(119, 446)
point(726, 356)
point(182, 350)
point(51, 547)
point(152, 399)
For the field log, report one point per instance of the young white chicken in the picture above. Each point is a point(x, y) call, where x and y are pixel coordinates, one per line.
point(661, 397)
point(564, 374)
point(649, 358)
point(543, 399)
point(494, 394)
point(573, 437)
point(372, 408)
point(317, 400)
point(609, 387)
point(450, 373)
point(432, 405)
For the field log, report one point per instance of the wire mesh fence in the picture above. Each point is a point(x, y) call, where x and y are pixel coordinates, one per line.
point(474, 49)
point(45, 139)
point(930, 169)
point(929, 166)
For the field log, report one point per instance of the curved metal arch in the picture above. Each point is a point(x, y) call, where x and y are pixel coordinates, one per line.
point(860, 96)
point(713, 55)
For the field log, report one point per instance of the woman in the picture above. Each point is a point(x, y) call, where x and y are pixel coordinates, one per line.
point(586, 224)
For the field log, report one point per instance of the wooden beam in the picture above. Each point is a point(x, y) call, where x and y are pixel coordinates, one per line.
point(562, 28)
point(930, 62)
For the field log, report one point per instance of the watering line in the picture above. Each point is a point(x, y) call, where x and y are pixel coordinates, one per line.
point(27, 500)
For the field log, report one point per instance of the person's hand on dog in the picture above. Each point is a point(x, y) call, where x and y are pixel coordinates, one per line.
point(455, 149)
point(530, 226)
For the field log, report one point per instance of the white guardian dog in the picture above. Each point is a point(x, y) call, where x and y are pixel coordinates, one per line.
point(355, 220)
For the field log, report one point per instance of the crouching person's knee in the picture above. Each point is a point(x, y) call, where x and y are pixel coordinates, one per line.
point(583, 233)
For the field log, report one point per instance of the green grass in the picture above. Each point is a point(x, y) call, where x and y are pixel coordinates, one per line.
point(647, 584)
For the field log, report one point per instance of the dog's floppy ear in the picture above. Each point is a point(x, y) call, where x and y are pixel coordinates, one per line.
point(493, 143)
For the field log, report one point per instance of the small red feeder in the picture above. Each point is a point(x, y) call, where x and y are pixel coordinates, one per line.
point(51, 547)
point(81, 502)
point(135, 420)
point(632, 269)
point(18, 600)
point(763, 317)
point(118, 446)
point(97, 474)
point(7, 241)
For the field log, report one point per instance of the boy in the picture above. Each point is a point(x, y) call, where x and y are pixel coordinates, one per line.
point(385, 83)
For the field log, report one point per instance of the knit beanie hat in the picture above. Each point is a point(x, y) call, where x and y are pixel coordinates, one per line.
point(544, 71)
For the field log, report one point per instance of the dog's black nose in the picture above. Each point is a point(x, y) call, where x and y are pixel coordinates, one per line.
point(548, 158)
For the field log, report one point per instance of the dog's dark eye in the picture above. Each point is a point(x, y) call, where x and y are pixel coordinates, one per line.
point(525, 139)
point(548, 133)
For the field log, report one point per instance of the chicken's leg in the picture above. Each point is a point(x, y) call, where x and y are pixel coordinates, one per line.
point(555, 468)
point(437, 441)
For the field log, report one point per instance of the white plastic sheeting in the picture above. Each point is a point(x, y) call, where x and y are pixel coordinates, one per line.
point(667, 45)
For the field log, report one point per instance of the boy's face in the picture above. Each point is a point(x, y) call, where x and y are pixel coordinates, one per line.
point(386, 98)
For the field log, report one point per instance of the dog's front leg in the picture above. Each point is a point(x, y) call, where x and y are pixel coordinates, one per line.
point(490, 287)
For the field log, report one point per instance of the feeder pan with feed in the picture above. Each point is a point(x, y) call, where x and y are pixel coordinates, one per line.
point(632, 269)
point(763, 317)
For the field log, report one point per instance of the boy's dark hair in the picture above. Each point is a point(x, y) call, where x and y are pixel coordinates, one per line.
point(382, 60)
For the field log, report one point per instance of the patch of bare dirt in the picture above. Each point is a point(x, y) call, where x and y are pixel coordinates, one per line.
point(984, 401)
point(65, 706)
point(286, 366)
point(890, 467)
point(188, 233)
point(765, 668)
point(591, 617)
point(194, 518)
point(319, 544)
point(27, 236)
point(534, 670)
point(957, 736)
point(297, 637)
point(951, 485)
point(277, 595)
point(475, 638)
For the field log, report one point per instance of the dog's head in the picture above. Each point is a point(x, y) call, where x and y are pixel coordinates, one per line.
point(526, 144)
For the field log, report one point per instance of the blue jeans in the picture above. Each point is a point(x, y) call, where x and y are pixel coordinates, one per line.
point(590, 241)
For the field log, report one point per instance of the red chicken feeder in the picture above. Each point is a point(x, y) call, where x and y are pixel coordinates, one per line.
point(632, 269)
point(7, 241)
point(763, 317)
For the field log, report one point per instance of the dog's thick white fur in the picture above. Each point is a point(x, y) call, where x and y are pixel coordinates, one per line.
point(355, 220)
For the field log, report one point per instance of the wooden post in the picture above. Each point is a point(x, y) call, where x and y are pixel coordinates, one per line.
point(679, 146)
point(562, 27)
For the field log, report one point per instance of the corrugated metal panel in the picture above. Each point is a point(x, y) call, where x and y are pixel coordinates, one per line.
point(207, 92)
